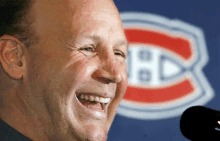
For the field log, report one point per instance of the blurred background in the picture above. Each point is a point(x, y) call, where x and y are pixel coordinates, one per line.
point(173, 63)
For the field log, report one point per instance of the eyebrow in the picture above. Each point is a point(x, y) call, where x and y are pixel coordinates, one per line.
point(118, 42)
point(122, 42)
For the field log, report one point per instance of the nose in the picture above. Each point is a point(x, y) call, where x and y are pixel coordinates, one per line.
point(109, 70)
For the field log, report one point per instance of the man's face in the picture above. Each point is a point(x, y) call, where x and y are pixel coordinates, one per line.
point(81, 55)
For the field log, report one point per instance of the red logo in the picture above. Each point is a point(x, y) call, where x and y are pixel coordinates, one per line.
point(164, 66)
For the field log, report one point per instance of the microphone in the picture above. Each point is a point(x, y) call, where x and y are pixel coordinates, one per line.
point(199, 123)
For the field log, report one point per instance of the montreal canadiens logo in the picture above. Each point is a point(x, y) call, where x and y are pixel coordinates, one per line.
point(164, 67)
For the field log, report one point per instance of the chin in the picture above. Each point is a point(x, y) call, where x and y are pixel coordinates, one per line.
point(96, 134)
point(93, 133)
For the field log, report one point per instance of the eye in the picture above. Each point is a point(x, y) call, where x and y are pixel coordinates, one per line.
point(119, 53)
point(121, 57)
point(88, 51)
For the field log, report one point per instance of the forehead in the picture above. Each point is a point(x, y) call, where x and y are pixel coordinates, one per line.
point(76, 16)
point(58, 10)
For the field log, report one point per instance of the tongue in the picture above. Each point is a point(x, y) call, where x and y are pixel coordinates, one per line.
point(91, 105)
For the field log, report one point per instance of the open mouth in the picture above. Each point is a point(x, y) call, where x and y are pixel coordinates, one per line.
point(93, 102)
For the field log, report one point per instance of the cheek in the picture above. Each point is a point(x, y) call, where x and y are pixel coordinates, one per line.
point(122, 86)
point(75, 74)
point(42, 66)
point(121, 89)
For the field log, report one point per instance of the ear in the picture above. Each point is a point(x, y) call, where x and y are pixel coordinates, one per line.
point(11, 56)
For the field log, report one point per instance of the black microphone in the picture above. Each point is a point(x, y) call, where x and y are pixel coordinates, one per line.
point(199, 123)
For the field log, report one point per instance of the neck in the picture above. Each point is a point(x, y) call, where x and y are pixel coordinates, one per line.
point(15, 113)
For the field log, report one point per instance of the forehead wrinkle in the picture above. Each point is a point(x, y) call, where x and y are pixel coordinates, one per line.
point(99, 39)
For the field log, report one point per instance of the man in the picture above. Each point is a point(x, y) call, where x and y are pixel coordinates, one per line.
point(63, 70)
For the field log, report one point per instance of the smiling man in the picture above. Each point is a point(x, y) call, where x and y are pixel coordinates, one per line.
point(63, 69)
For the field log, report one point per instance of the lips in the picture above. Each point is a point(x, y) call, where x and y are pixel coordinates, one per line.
point(93, 104)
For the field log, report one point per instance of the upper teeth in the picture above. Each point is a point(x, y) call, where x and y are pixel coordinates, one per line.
point(95, 98)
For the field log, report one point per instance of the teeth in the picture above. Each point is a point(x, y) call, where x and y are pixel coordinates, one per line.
point(86, 97)
point(91, 98)
point(95, 98)
point(102, 100)
point(82, 96)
